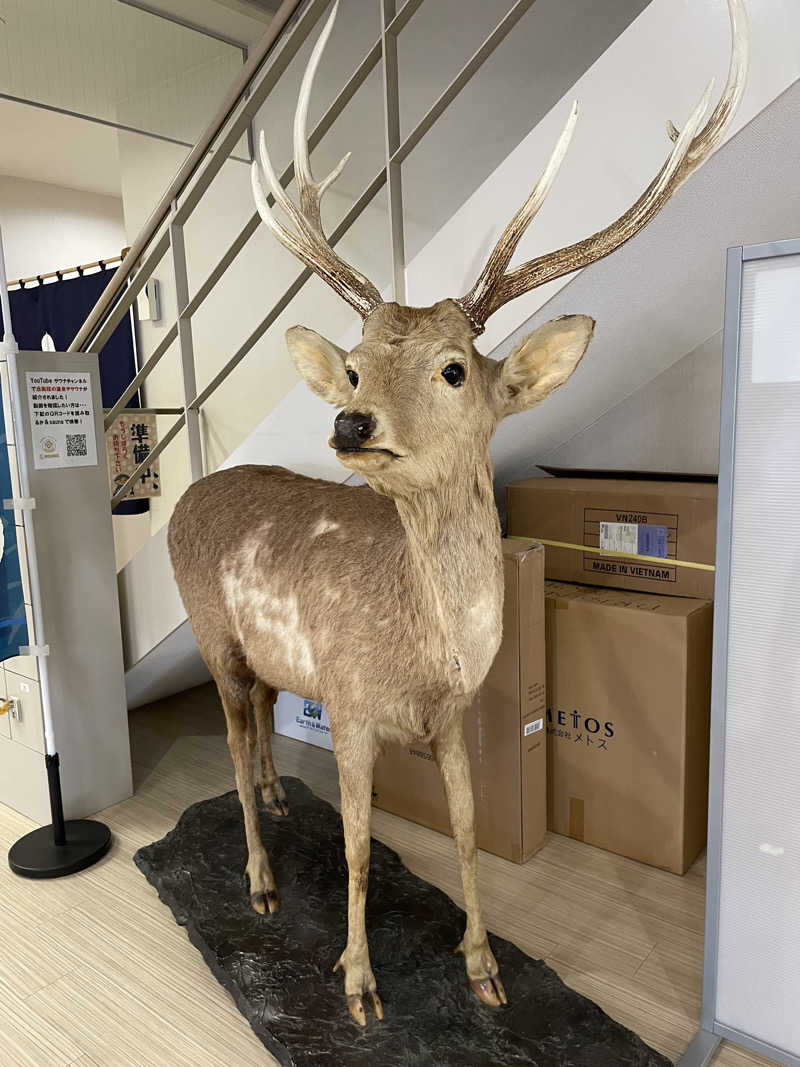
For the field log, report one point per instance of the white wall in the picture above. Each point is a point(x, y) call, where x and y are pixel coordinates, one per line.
point(671, 424)
point(47, 227)
point(656, 70)
point(660, 297)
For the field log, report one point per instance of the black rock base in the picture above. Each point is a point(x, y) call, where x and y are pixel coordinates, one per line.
point(278, 968)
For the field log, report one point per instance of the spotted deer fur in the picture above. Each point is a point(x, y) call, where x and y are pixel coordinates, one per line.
point(383, 601)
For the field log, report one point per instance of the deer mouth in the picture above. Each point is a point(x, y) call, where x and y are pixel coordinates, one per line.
point(358, 451)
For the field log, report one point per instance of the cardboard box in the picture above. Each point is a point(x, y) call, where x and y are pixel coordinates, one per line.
point(669, 519)
point(304, 720)
point(629, 689)
point(504, 731)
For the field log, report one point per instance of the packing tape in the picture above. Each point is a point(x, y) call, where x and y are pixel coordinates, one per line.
point(663, 560)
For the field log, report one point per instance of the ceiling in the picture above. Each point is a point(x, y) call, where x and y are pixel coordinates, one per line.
point(52, 146)
point(46, 146)
point(115, 62)
point(244, 21)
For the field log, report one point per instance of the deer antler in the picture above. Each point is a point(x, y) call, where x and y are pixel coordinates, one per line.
point(495, 287)
point(309, 242)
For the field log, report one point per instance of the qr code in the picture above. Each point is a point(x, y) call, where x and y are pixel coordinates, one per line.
point(76, 444)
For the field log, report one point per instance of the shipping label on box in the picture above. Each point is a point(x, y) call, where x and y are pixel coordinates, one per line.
point(642, 533)
point(641, 537)
point(302, 719)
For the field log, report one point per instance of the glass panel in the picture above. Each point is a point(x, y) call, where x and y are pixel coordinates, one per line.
point(759, 944)
point(434, 45)
point(545, 53)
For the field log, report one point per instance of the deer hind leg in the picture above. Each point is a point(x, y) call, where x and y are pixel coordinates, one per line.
point(356, 758)
point(451, 756)
point(234, 690)
point(273, 794)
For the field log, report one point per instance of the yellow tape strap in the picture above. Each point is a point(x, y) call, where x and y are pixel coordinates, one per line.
point(625, 555)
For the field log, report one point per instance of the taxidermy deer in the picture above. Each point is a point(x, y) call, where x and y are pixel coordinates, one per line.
point(384, 601)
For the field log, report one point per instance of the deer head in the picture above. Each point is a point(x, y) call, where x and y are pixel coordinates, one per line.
point(417, 398)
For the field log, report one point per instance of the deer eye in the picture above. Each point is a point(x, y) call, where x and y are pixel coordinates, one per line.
point(453, 374)
point(351, 374)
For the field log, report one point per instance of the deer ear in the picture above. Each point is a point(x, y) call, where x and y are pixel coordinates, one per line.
point(542, 362)
point(321, 365)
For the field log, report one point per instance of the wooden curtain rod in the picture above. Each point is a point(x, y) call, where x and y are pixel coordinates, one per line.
point(22, 282)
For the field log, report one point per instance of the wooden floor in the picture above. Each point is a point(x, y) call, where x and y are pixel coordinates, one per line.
point(94, 972)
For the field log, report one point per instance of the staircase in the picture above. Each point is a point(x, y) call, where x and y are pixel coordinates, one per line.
point(649, 384)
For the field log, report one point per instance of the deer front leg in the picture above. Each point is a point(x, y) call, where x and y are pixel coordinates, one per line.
point(356, 758)
point(451, 756)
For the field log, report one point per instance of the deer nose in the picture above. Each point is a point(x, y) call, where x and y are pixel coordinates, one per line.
point(352, 428)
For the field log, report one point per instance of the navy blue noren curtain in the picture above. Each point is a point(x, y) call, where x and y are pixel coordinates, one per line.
point(60, 308)
point(13, 624)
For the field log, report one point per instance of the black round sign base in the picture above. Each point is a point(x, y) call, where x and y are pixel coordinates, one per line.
point(36, 855)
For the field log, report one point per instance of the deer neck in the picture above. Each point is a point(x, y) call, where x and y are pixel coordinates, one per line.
point(453, 563)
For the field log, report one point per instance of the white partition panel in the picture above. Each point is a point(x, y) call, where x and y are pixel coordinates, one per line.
point(752, 975)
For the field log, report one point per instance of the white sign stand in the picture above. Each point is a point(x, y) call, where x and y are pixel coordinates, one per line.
point(63, 847)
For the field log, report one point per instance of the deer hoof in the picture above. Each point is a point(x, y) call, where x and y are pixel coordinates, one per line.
point(263, 901)
point(355, 1005)
point(360, 976)
point(490, 991)
point(276, 806)
point(375, 1003)
point(274, 797)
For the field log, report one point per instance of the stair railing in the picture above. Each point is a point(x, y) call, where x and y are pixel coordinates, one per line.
point(164, 229)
